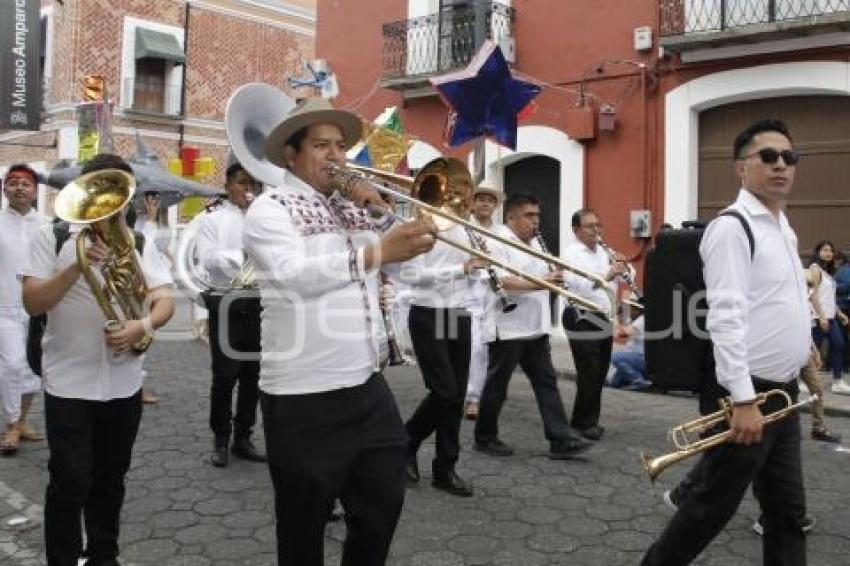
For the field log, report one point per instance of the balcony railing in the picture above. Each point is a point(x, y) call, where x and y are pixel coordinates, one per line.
point(679, 17)
point(151, 96)
point(444, 41)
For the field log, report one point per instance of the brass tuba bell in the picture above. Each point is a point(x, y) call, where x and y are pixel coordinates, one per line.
point(97, 199)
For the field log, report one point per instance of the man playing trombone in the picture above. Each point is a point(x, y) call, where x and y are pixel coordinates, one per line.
point(758, 320)
point(332, 427)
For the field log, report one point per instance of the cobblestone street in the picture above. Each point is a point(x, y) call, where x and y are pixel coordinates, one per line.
point(527, 510)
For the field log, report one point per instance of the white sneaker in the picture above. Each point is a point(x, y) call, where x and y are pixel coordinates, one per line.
point(840, 387)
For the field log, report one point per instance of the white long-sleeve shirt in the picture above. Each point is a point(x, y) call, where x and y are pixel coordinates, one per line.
point(437, 279)
point(321, 324)
point(758, 316)
point(219, 243)
point(16, 233)
point(532, 316)
point(595, 261)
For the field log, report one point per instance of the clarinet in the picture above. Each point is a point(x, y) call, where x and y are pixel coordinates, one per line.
point(495, 284)
point(396, 358)
point(627, 274)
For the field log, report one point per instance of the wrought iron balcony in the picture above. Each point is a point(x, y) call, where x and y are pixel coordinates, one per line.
point(444, 41)
point(682, 17)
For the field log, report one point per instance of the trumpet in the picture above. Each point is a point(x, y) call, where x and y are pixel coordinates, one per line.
point(351, 175)
point(685, 447)
point(627, 274)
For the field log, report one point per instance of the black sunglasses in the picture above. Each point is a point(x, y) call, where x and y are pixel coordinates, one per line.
point(769, 156)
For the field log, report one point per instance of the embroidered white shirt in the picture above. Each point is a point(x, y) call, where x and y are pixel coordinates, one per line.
point(321, 324)
point(595, 261)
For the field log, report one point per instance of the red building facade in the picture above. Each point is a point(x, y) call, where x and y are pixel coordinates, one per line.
point(641, 99)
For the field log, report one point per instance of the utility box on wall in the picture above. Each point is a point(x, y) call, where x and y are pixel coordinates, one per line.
point(639, 224)
point(581, 123)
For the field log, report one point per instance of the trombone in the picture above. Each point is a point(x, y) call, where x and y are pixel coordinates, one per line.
point(391, 182)
point(685, 448)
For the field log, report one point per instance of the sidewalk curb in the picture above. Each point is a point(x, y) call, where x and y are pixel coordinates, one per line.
point(829, 410)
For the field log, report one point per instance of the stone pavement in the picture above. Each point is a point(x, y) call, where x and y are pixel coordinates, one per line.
point(527, 511)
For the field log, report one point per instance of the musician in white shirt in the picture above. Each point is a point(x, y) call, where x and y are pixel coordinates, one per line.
point(18, 384)
point(443, 284)
point(590, 335)
point(92, 382)
point(521, 337)
point(332, 427)
point(234, 319)
point(747, 297)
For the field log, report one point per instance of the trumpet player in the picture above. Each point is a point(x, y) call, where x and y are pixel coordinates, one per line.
point(590, 336)
point(234, 320)
point(521, 337)
point(332, 427)
point(750, 286)
point(92, 401)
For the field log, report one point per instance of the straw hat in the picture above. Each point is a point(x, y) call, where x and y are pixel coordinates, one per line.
point(307, 112)
point(486, 187)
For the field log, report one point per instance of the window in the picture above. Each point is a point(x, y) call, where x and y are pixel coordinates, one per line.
point(152, 68)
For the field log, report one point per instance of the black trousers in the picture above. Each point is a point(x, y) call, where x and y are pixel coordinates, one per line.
point(90, 446)
point(719, 482)
point(590, 342)
point(442, 343)
point(348, 444)
point(534, 356)
point(241, 335)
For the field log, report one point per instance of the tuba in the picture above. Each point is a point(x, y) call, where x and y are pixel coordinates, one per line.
point(97, 199)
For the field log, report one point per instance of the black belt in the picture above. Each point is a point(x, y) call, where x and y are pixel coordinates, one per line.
point(457, 311)
point(764, 385)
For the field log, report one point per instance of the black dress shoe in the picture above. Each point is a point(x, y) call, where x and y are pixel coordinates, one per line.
point(244, 448)
point(220, 456)
point(493, 447)
point(451, 483)
point(825, 435)
point(411, 468)
point(593, 433)
point(568, 447)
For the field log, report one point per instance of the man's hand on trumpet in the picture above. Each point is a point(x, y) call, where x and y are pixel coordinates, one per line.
point(746, 424)
point(555, 277)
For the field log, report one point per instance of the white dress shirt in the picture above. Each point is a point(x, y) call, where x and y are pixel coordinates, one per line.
point(321, 324)
point(219, 243)
point(826, 296)
point(16, 233)
point(594, 261)
point(758, 316)
point(532, 316)
point(77, 363)
point(437, 279)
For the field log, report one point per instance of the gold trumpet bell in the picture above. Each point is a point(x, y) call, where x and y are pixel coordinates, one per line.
point(444, 183)
point(94, 196)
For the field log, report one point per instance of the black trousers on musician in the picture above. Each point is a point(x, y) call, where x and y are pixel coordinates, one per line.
point(348, 444)
point(442, 341)
point(534, 356)
point(90, 445)
point(234, 335)
point(590, 342)
point(720, 481)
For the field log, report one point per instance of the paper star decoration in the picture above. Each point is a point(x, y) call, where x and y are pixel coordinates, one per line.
point(484, 98)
